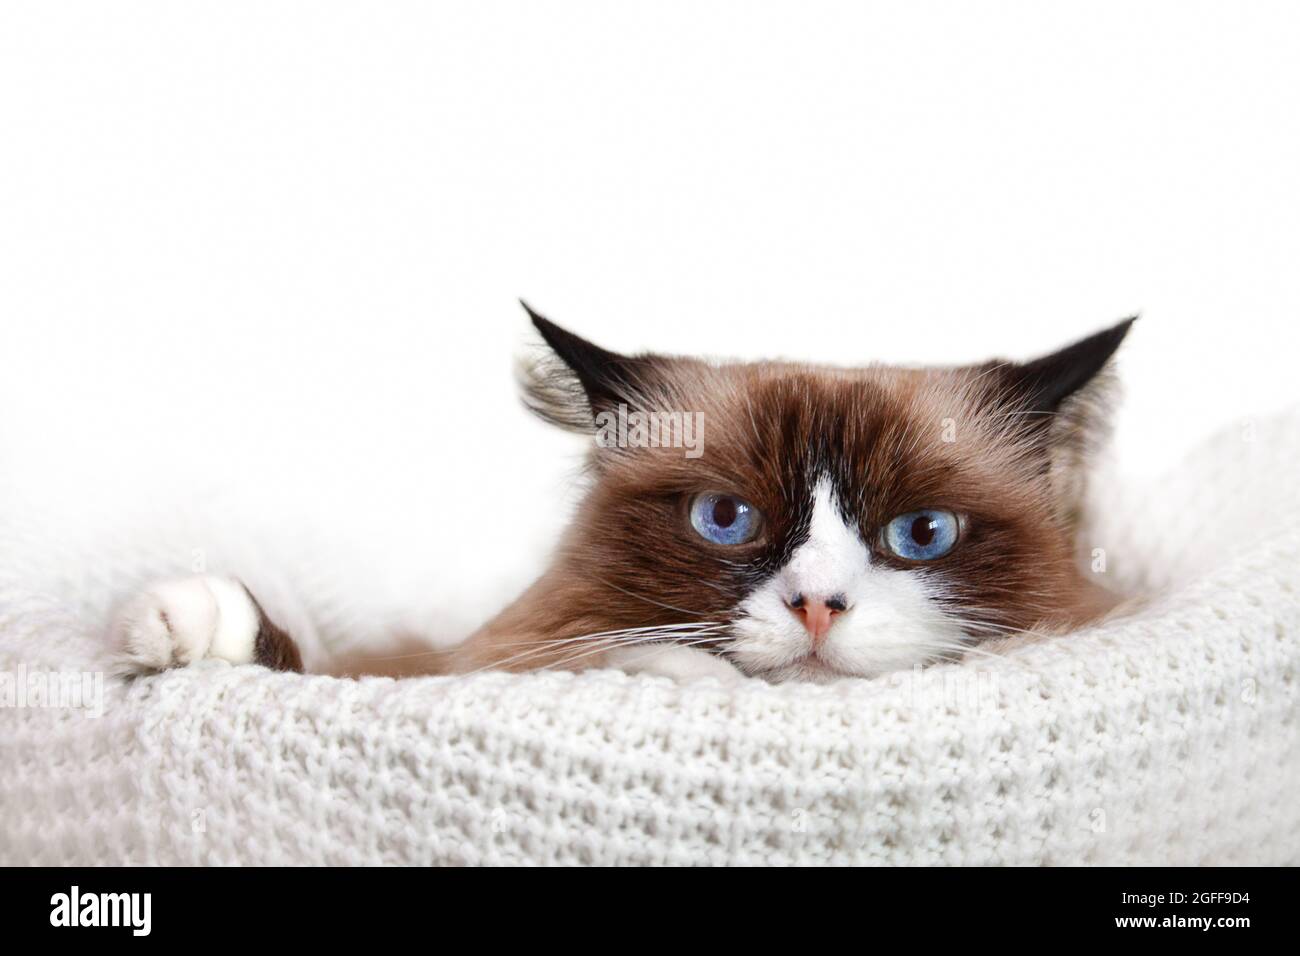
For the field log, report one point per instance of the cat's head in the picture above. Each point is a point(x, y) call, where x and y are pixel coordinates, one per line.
point(811, 521)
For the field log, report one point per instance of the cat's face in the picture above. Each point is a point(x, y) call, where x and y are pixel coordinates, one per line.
point(827, 521)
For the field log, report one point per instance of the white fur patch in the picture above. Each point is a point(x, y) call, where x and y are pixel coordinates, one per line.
point(177, 622)
point(893, 620)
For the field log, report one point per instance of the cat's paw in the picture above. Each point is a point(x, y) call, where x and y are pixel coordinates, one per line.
point(673, 660)
point(177, 622)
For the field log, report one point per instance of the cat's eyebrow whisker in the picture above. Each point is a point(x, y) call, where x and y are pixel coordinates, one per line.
point(985, 373)
point(749, 404)
point(911, 449)
point(1030, 411)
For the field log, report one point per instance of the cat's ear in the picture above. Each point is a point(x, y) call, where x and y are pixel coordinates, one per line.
point(1061, 405)
point(1043, 386)
point(585, 381)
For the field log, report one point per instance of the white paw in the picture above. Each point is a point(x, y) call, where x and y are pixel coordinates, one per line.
point(175, 623)
point(675, 661)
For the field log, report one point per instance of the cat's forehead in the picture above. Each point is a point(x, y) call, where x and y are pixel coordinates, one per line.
point(830, 410)
point(872, 424)
point(818, 395)
point(813, 394)
point(777, 428)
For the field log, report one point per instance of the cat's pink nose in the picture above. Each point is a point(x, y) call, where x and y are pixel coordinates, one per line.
point(817, 614)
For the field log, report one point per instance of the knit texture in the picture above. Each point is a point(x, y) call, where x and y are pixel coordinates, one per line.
point(1168, 736)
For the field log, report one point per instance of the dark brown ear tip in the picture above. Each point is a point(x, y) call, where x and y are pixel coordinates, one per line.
point(571, 348)
point(1109, 340)
point(540, 322)
point(560, 340)
point(601, 373)
point(1047, 381)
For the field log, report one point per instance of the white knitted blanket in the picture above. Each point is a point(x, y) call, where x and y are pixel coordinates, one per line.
point(1167, 737)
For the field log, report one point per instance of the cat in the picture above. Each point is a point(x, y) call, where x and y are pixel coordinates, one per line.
point(831, 522)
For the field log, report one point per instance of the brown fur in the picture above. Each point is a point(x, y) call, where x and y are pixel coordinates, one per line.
point(273, 647)
point(631, 559)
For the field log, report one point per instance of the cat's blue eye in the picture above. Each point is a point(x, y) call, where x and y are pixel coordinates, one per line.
point(922, 535)
point(724, 519)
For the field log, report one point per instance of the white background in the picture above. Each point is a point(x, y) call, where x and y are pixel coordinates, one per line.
point(269, 252)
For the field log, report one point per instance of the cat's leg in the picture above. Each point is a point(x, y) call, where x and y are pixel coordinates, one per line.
point(178, 622)
point(677, 661)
